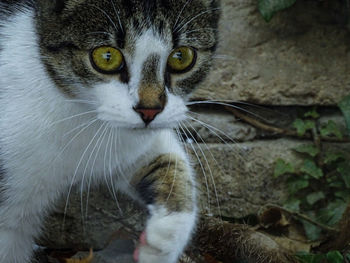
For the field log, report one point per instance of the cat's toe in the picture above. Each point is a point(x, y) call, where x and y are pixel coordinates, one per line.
point(146, 253)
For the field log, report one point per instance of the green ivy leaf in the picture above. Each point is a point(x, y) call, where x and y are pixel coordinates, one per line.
point(334, 257)
point(332, 157)
point(303, 126)
point(315, 197)
point(332, 214)
point(268, 8)
point(331, 129)
point(345, 195)
point(336, 184)
point(309, 167)
point(344, 105)
point(305, 257)
point(312, 114)
point(308, 149)
point(282, 167)
point(312, 231)
point(297, 183)
point(293, 204)
point(344, 170)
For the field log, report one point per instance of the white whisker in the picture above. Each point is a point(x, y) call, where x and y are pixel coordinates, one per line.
point(76, 170)
point(201, 166)
point(178, 17)
point(99, 33)
point(213, 130)
point(104, 162)
point(200, 30)
point(174, 179)
point(71, 117)
point(243, 103)
point(73, 138)
point(119, 169)
point(108, 17)
point(195, 17)
point(168, 168)
point(225, 57)
point(76, 128)
point(184, 38)
point(117, 14)
point(86, 166)
point(206, 160)
point(101, 140)
point(225, 104)
point(89, 102)
point(111, 171)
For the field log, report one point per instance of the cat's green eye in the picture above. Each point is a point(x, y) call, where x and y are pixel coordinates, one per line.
point(181, 59)
point(107, 60)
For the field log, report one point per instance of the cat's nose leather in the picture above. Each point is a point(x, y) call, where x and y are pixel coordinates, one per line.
point(148, 114)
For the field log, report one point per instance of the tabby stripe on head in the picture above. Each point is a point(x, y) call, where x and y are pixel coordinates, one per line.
point(150, 69)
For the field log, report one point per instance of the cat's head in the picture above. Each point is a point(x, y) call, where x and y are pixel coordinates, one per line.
point(136, 61)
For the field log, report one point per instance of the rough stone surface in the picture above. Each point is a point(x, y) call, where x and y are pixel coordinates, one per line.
point(217, 126)
point(301, 57)
point(103, 222)
point(242, 175)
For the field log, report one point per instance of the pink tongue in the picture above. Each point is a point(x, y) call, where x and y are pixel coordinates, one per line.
point(136, 254)
point(143, 242)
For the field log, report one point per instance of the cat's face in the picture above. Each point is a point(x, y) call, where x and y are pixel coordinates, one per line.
point(135, 61)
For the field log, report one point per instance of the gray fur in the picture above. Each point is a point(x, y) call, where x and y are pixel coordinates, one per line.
point(69, 28)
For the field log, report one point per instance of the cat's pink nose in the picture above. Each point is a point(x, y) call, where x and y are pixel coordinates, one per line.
point(148, 115)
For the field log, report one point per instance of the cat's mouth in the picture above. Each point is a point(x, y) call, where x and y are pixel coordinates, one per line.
point(154, 125)
point(148, 114)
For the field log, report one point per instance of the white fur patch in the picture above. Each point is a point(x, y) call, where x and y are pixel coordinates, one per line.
point(167, 234)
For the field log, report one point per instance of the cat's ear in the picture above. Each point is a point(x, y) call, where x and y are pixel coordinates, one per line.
point(50, 7)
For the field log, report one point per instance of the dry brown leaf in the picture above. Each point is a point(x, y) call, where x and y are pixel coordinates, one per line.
point(292, 245)
point(88, 259)
point(273, 218)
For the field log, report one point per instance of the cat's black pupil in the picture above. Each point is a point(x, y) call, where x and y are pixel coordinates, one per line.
point(107, 56)
point(178, 55)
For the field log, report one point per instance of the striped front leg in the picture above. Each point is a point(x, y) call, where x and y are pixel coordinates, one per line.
point(167, 187)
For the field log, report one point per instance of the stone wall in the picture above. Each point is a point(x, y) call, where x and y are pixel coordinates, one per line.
point(301, 58)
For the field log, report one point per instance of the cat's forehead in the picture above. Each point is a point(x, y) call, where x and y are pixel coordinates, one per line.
point(95, 22)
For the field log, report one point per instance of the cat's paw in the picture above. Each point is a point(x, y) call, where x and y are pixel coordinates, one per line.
point(165, 237)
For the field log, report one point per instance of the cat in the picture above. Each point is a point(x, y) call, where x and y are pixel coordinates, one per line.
point(85, 81)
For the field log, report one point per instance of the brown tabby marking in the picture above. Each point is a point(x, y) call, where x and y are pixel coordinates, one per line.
point(167, 182)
